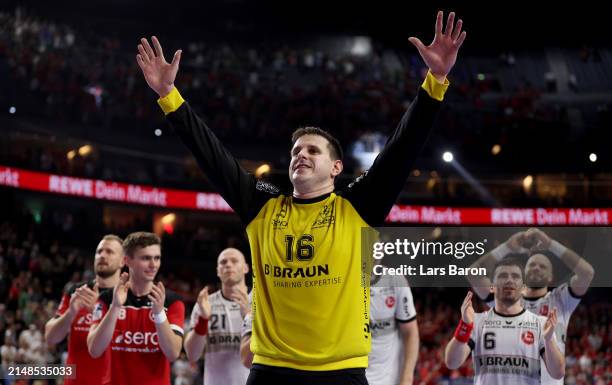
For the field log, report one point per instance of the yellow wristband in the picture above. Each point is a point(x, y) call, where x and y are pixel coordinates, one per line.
point(171, 102)
point(434, 88)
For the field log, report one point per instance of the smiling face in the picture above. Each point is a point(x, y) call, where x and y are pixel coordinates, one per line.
point(312, 167)
point(144, 263)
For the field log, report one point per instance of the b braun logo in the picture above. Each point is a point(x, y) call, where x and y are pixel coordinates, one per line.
point(137, 338)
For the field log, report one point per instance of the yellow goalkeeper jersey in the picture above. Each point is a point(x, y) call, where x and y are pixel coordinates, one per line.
point(311, 295)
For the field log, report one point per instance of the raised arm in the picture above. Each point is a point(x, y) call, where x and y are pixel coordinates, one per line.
point(237, 187)
point(388, 173)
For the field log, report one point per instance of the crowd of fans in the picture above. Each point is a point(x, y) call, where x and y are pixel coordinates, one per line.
point(259, 93)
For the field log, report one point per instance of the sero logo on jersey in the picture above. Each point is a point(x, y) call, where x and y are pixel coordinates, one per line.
point(85, 319)
point(527, 337)
point(137, 338)
point(390, 301)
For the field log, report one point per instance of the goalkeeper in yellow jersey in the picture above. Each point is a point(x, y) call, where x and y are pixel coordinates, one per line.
point(310, 309)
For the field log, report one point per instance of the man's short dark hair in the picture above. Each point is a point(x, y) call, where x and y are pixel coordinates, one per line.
point(335, 150)
point(139, 240)
point(509, 261)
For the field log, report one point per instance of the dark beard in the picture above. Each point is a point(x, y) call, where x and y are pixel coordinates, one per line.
point(508, 301)
point(105, 273)
point(535, 283)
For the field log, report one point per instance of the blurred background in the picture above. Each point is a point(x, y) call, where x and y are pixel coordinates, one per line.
point(524, 127)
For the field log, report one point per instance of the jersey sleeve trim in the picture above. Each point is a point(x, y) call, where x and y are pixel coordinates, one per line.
point(413, 318)
point(63, 306)
point(177, 329)
point(571, 292)
point(471, 343)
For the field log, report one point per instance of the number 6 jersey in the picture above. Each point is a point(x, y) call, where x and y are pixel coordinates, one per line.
point(506, 349)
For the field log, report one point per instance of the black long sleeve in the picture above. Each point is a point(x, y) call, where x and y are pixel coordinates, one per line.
point(242, 191)
point(374, 193)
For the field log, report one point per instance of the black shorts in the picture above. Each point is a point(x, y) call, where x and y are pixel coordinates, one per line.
point(272, 375)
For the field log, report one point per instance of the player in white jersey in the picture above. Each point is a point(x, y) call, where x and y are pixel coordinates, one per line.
point(395, 333)
point(216, 323)
point(537, 297)
point(506, 341)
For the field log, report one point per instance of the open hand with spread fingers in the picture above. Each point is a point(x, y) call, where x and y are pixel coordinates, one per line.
point(441, 55)
point(158, 73)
